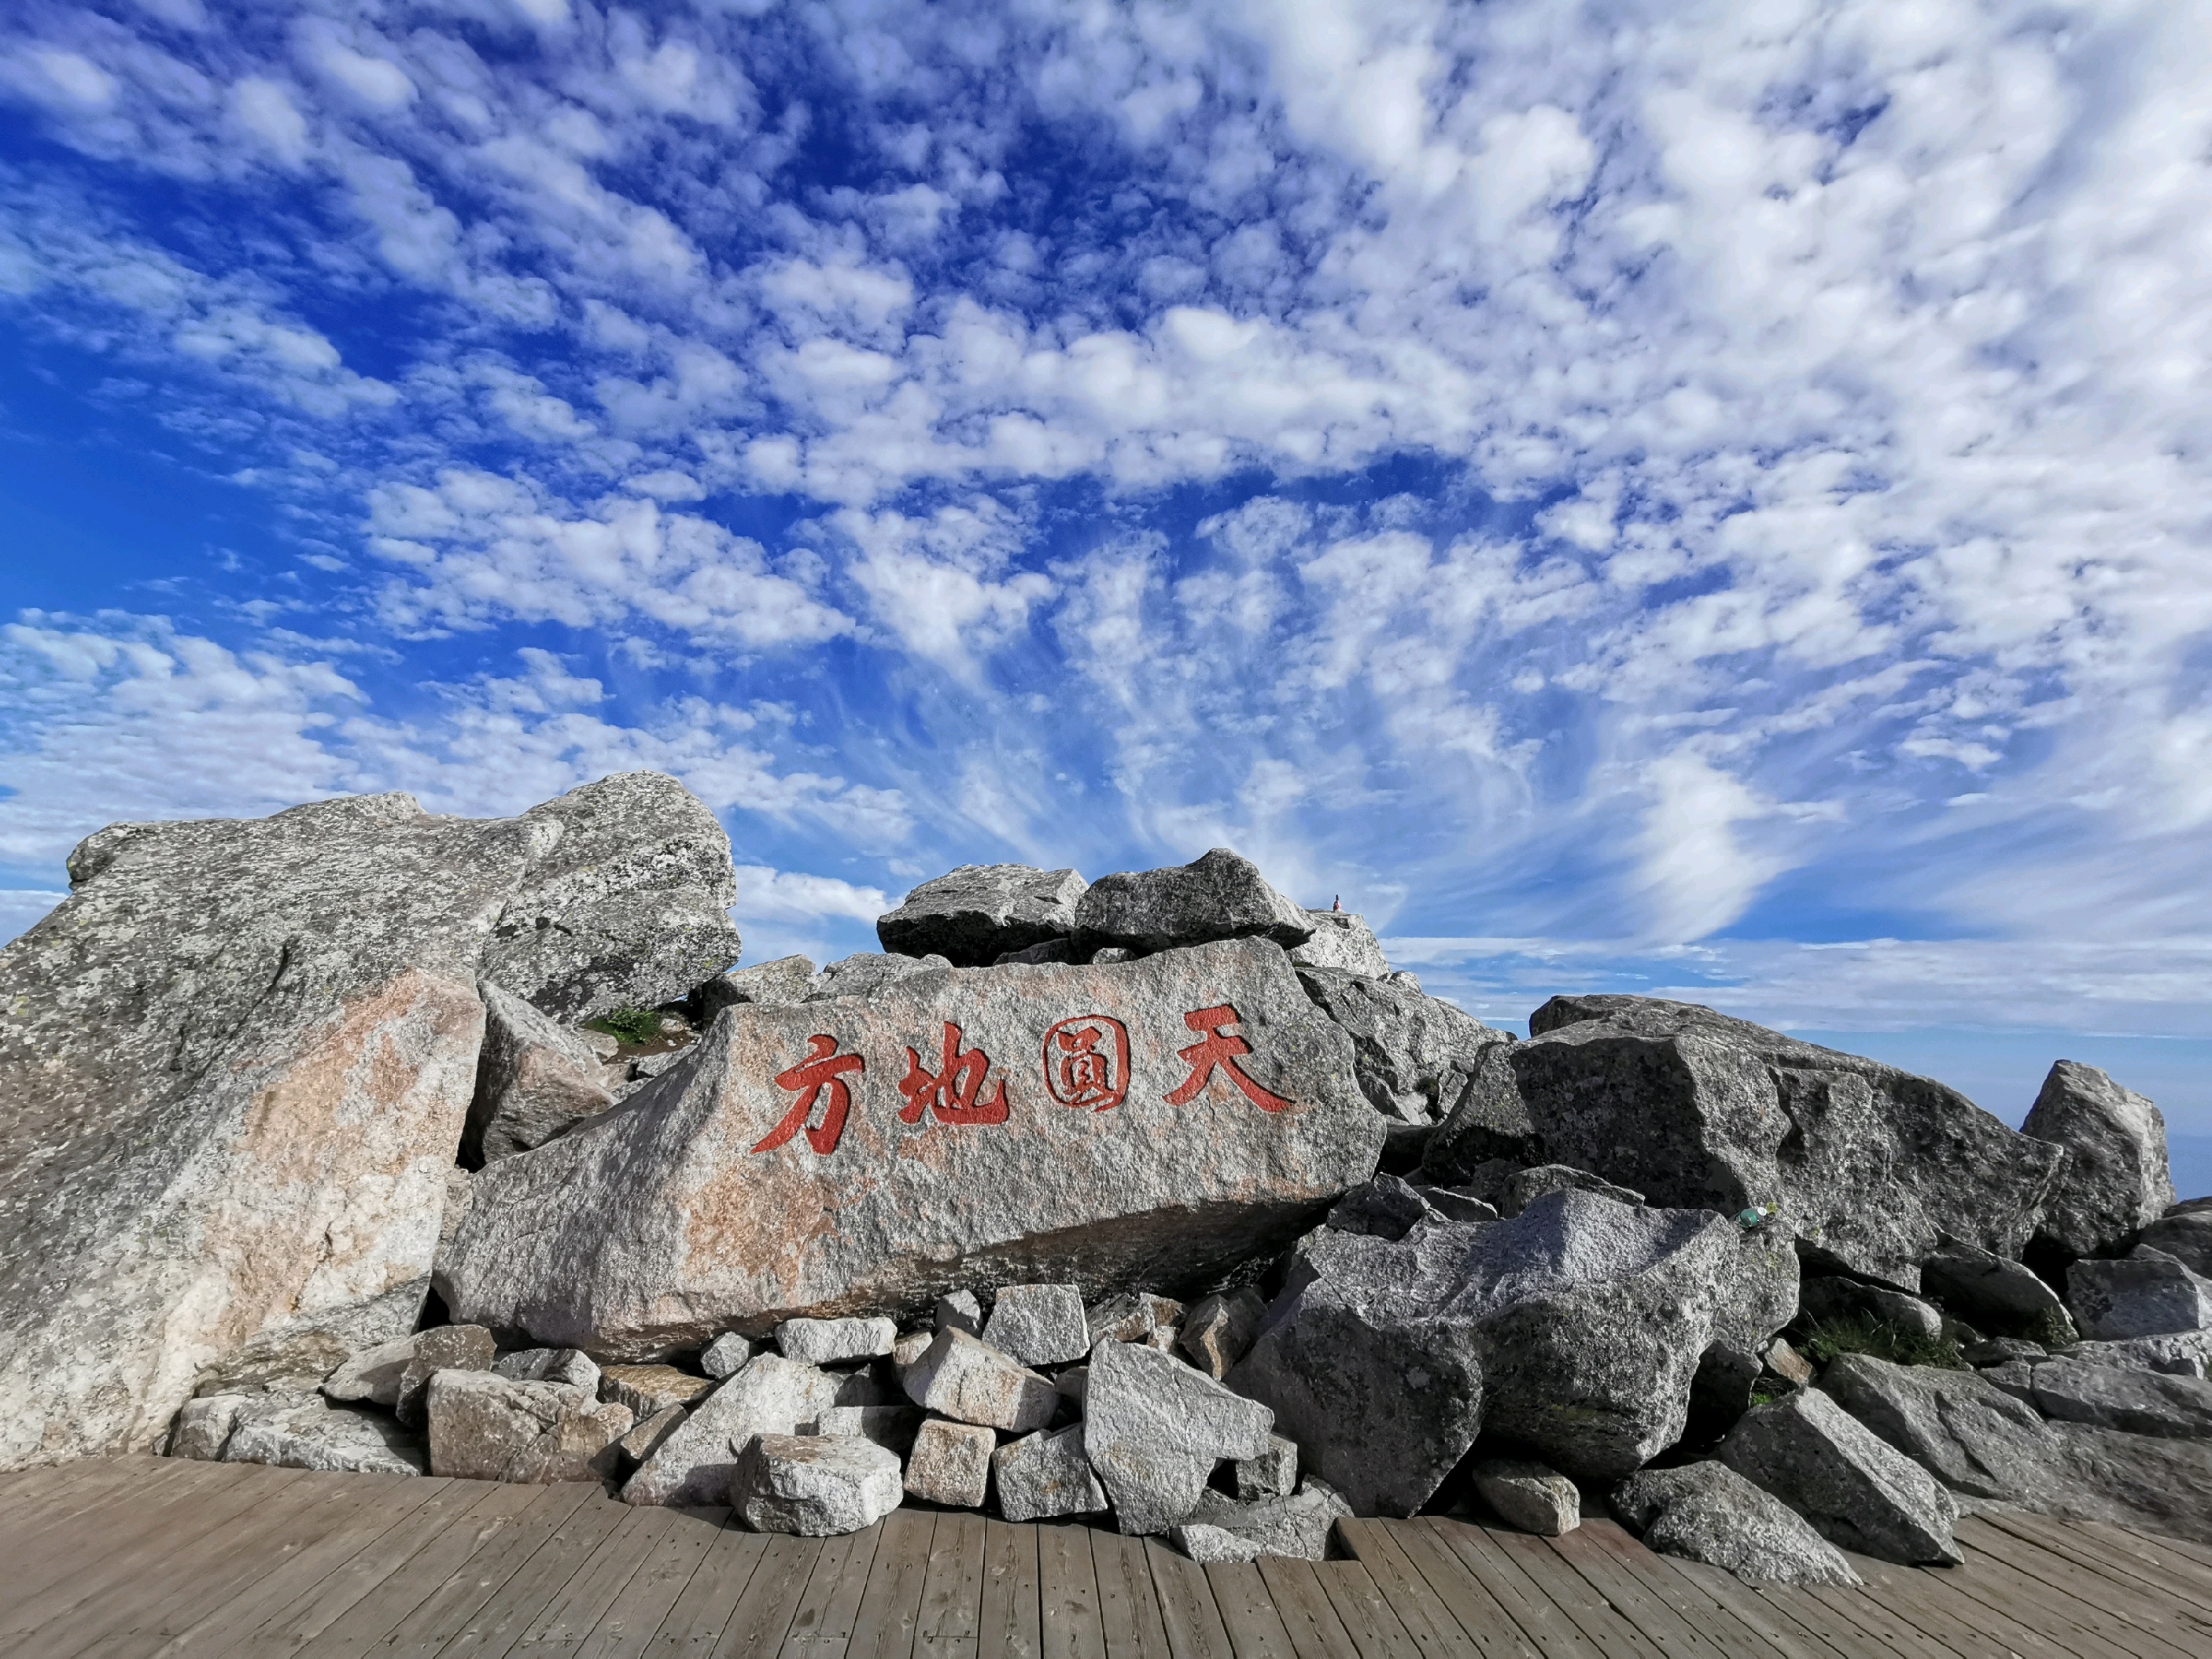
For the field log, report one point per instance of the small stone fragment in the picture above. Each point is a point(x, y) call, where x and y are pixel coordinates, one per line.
point(644, 1438)
point(950, 1464)
point(1273, 1474)
point(203, 1424)
point(1386, 1206)
point(570, 1365)
point(960, 1311)
point(394, 1374)
point(911, 1347)
point(969, 1380)
point(725, 1356)
point(813, 1485)
point(1530, 1497)
point(1046, 1474)
point(1786, 1362)
point(1131, 1318)
point(832, 1341)
point(486, 1427)
point(1206, 1543)
point(650, 1390)
point(772, 1395)
point(288, 1432)
point(1219, 1330)
point(1298, 1526)
point(1039, 1324)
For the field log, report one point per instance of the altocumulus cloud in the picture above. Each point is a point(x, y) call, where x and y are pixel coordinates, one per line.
point(1708, 496)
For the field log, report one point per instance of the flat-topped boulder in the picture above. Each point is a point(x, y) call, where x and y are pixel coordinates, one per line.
point(1142, 1126)
point(978, 913)
point(1218, 896)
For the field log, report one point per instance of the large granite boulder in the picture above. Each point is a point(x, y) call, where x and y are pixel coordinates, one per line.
point(1858, 1490)
point(2186, 1236)
point(1415, 1053)
point(2146, 1293)
point(2134, 1401)
point(1154, 1429)
point(536, 1080)
point(1218, 896)
point(2116, 1181)
point(1342, 939)
point(979, 912)
point(1876, 1167)
point(234, 1065)
point(1999, 1296)
point(1708, 1512)
point(866, 1155)
point(814, 1486)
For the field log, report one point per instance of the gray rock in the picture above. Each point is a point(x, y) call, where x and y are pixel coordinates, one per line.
point(658, 1225)
point(394, 1374)
point(910, 1347)
point(2148, 1293)
point(1708, 1512)
point(294, 1356)
point(1218, 896)
point(2187, 1237)
point(1997, 1350)
point(2135, 1402)
point(868, 974)
point(1529, 1496)
point(1386, 1206)
point(832, 1341)
point(1871, 1164)
point(1039, 1324)
point(1069, 1384)
point(1110, 954)
point(1295, 1527)
point(950, 1464)
point(572, 1366)
point(813, 1485)
point(960, 1311)
point(1209, 1544)
point(1858, 1490)
point(1046, 1474)
point(1760, 1295)
point(782, 983)
point(1131, 1318)
point(205, 1424)
point(1415, 1053)
point(772, 1396)
point(969, 1380)
point(646, 1437)
point(1052, 951)
point(2178, 1353)
point(488, 1427)
point(1153, 1428)
point(1991, 1292)
point(2142, 1480)
point(2014, 1376)
point(2116, 1182)
point(1218, 1329)
point(892, 1427)
point(980, 911)
point(1273, 1474)
point(536, 1080)
point(1779, 1359)
point(1524, 1187)
point(1457, 1204)
point(725, 1356)
point(1488, 1123)
point(1829, 1298)
point(1343, 940)
point(294, 1433)
point(647, 1390)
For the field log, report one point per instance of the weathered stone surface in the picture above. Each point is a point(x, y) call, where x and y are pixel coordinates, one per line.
point(963, 1377)
point(2135, 1402)
point(1153, 1428)
point(1203, 1543)
point(536, 1080)
point(645, 1437)
point(1524, 1187)
point(2116, 1182)
point(960, 1311)
point(1457, 1204)
point(658, 1225)
point(1829, 1298)
point(571, 1366)
point(1039, 1324)
point(1218, 896)
point(309, 1434)
point(867, 974)
point(2145, 1480)
point(892, 1427)
point(1414, 1054)
point(1298, 1526)
point(647, 1390)
point(1487, 1123)
point(204, 1424)
point(909, 1348)
point(1529, 1496)
point(979, 912)
point(233, 1068)
point(814, 1486)
point(295, 1357)
point(2187, 1237)
point(1033, 956)
point(1697, 1109)
point(781, 983)
point(2178, 1353)
point(1990, 1292)
point(2148, 1293)
point(1782, 1360)
point(1218, 1329)
point(1760, 1295)
point(1708, 1512)
point(950, 1464)
point(1273, 1474)
point(832, 1341)
point(1386, 1206)
point(725, 1356)
point(1997, 1350)
point(1070, 1383)
point(488, 1427)
point(1131, 1318)
point(1046, 1474)
point(1343, 939)
point(772, 1395)
point(394, 1374)
point(1858, 1490)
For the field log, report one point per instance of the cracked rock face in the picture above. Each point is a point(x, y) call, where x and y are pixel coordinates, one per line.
point(1415, 1053)
point(1708, 1512)
point(868, 1156)
point(2115, 1181)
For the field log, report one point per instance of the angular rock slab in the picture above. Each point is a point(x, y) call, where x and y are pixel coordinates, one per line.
point(233, 1068)
point(1220, 896)
point(950, 1464)
point(1530, 1497)
point(722, 1198)
point(2186, 1236)
point(1297, 1526)
point(772, 1395)
point(2132, 1402)
point(978, 913)
point(814, 1486)
point(1416, 1052)
point(830, 1341)
point(1219, 1329)
point(488, 1427)
point(309, 1434)
point(2146, 1293)
point(1873, 1165)
point(1858, 1490)
point(1342, 939)
point(2117, 1182)
point(1046, 1474)
point(1040, 1324)
point(535, 1080)
point(969, 1380)
point(1153, 1429)
point(1708, 1512)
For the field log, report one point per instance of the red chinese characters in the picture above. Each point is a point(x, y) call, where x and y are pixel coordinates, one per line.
point(823, 1068)
point(1218, 1050)
point(951, 1092)
point(1086, 1062)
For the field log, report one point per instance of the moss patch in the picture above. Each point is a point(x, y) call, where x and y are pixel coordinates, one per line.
point(1867, 1334)
point(629, 1025)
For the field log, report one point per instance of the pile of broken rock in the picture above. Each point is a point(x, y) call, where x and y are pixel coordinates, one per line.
point(1159, 1200)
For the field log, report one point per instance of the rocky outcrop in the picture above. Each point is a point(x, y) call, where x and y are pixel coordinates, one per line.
point(1708, 1512)
point(1999, 1296)
point(1218, 896)
point(1343, 940)
point(2186, 1236)
point(2115, 1180)
point(1875, 1167)
point(1193, 1109)
point(1858, 1490)
point(979, 912)
point(1414, 1054)
point(2148, 1293)
point(536, 1080)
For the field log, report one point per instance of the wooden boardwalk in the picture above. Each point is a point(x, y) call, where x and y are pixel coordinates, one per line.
point(145, 1555)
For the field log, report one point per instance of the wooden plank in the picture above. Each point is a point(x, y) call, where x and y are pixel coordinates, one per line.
point(763, 1616)
point(497, 1625)
point(1187, 1612)
point(1777, 1627)
point(1628, 1595)
point(1570, 1592)
point(1308, 1617)
point(1129, 1616)
point(2109, 1553)
point(2104, 1604)
point(627, 1628)
point(693, 1626)
point(2000, 1587)
point(1546, 1625)
point(562, 1625)
point(120, 1519)
point(1067, 1596)
point(1008, 1619)
point(1247, 1612)
point(891, 1604)
point(953, 1592)
point(1916, 1611)
point(1434, 1628)
point(1375, 1630)
point(1478, 1614)
point(2201, 1553)
point(821, 1627)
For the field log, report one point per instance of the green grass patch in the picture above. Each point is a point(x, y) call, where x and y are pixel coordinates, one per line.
point(630, 1024)
point(1867, 1334)
point(1768, 1389)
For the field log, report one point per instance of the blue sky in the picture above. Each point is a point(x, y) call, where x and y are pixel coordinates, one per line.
point(1702, 499)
